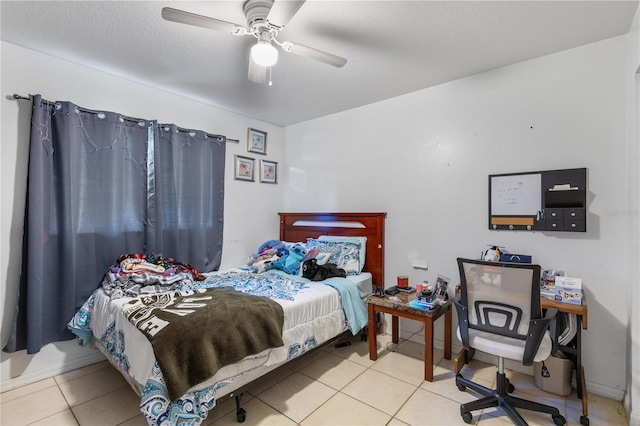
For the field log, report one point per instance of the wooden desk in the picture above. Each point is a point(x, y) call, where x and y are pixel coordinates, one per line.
point(402, 309)
point(581, 312)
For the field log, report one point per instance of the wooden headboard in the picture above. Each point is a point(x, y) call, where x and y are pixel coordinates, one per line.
point(297, 227)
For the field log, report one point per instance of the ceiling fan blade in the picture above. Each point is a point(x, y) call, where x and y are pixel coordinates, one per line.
point(282, 11)
point(318, 55)
point(182, 17)
point(257, 73)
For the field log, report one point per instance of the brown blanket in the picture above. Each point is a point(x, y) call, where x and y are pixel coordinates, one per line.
point(195, 333)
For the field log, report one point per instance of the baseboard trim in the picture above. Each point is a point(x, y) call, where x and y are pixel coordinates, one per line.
point(607, 392)
point(42, 374)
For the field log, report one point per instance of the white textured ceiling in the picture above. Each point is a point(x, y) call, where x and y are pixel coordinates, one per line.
point(392, 47)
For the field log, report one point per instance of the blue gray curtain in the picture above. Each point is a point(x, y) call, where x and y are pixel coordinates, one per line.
point(189, 193)
point(101, 184)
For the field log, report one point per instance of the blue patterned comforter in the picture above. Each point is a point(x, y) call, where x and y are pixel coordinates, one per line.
point(296, 294)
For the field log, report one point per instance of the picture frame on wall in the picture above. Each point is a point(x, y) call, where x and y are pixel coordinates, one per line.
point(268, 171)
point(257, 141)
point(243, 169)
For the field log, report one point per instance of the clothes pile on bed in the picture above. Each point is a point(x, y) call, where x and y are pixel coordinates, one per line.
point(182, 339)
point(135, 274)
point(324, 257)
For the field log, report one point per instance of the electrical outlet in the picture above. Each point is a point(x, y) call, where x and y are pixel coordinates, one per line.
point(421, 265)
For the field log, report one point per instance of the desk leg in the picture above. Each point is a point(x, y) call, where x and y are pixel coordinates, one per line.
point(580, 381)
point(579, 356)
point(585, 403)
point(395, 333)
point(373, 344)
point(428, 349)
point(447, 333)
point(553, 328)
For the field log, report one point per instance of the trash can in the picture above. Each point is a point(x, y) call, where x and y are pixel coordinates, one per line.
point(553, 375)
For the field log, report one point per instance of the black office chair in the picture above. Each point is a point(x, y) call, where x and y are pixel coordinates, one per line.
point(499, 313)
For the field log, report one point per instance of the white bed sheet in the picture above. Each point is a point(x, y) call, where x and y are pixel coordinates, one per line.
point(250, 368)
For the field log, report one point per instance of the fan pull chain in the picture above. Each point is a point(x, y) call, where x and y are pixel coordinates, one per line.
point(270, 82)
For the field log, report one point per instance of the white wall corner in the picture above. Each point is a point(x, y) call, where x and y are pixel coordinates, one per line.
point(632, 395)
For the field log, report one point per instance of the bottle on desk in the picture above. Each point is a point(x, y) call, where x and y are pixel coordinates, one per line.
point(422, 286)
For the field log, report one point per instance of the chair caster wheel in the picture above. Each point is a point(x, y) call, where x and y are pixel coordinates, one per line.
point(241, 415)
point(467, 417)
point(462, 388)
point(584, 420)
point(511, 388)
point(559, 420)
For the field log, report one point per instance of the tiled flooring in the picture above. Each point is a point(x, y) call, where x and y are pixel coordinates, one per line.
point(331, 387)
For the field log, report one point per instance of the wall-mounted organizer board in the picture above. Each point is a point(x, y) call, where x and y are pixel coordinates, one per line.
point(550, 200)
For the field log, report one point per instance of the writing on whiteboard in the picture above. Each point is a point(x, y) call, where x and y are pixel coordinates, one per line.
point(516, 195)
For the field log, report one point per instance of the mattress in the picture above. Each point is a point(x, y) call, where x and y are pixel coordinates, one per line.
point(364, 281)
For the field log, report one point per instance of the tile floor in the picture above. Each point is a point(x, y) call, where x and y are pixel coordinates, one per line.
point(330, 387)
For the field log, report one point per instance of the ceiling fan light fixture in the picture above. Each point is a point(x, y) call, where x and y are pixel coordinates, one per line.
point(263, 53)
point(265, 19)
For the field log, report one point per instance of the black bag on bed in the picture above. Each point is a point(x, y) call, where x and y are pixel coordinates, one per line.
point(315, 272)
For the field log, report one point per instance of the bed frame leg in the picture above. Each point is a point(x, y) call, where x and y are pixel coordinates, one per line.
point(364, 334)
point(342, 344)
point(241, 413)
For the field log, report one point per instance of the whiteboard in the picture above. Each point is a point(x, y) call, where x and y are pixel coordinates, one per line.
point(516, 195)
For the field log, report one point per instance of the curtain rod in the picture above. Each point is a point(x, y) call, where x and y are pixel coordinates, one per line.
point(18, 97)
point(136, 120)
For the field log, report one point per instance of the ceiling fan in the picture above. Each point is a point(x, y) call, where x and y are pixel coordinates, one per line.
point(265, 19)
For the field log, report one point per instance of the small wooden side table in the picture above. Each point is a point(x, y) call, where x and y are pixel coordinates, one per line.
point(404, 310)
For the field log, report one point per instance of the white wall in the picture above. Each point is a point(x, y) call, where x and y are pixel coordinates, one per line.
point(632, 397)
point(250, 207)
point(425, 159)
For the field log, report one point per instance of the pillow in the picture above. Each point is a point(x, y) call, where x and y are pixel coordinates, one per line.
point(356, 240)
point(344, 254)
point(349, 258)
point(330, 248)
point(323, 258)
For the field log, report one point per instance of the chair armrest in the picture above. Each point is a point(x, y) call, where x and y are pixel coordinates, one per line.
point(537, 328)
point(463, 321)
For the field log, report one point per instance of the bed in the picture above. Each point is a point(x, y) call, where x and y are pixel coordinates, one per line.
point(180, 380)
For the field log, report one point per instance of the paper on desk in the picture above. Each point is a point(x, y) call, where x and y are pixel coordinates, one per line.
point(569, 282)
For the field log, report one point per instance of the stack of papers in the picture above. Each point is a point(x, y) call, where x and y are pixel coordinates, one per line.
point(563, 187)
